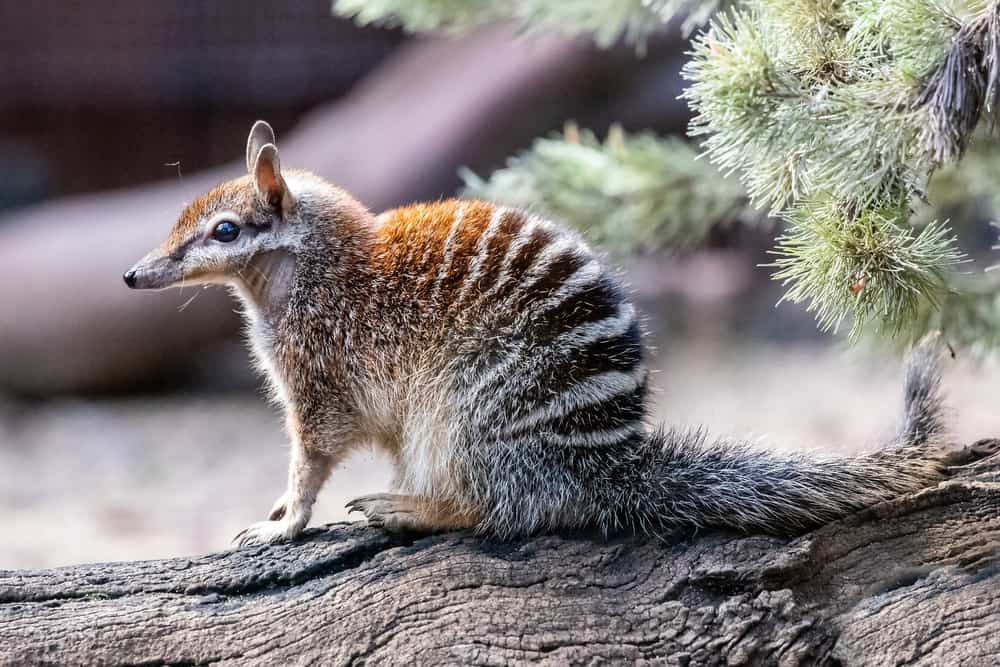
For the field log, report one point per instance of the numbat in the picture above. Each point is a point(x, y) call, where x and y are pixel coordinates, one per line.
point(497, 361)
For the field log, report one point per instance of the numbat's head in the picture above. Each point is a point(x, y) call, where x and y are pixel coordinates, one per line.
point(218, 236)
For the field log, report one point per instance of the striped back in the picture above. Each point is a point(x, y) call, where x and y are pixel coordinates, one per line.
point(543, 338)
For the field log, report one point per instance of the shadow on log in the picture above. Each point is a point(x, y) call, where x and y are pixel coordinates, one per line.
point(913, 581)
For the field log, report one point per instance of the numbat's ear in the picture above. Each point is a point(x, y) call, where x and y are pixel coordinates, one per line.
point(270, 186)
point(260, 134)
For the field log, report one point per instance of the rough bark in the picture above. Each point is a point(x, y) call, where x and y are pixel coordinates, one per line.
point(912, 581)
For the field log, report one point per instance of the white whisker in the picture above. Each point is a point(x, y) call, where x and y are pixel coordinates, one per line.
point(187, 303)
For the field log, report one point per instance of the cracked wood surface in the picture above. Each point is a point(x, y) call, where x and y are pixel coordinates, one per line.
point(914, 581)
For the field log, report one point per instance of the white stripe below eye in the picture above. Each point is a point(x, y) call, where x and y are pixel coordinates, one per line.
point(222, 216)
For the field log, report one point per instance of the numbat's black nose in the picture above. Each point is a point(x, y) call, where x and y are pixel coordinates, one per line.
point(130, 277)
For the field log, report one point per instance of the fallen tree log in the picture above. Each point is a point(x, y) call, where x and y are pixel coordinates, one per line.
point(913, 581)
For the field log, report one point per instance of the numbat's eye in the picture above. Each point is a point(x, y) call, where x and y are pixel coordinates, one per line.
point(226, 231)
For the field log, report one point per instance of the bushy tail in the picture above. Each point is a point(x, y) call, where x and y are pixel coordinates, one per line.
point(692, 481)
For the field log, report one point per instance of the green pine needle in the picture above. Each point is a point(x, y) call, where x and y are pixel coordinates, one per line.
point(795, 119)
point(869, 268)
point(606, 20)
point(629, 192)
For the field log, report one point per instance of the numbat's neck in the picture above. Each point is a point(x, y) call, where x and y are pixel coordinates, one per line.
point(266, 282)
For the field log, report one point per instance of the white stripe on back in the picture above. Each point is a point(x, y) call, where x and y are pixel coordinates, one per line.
point(521, 240)
point(481, 253)
point(543, 261)
point(563, 344)
point(600, 438)
point(580, 280)
point(449, 249)
point(591, 332)
point(593, 390)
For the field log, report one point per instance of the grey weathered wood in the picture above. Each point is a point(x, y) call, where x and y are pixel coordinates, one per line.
point(915, 581)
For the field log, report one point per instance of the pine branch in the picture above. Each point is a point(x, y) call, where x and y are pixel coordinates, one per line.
point(836, 115)
point(962, 86)
point(867, 267)
point(420, 15)
point(606, 20)
point(793, 129)
point(629, 192)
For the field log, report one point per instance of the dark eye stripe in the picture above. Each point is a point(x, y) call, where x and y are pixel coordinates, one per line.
point(258, 227)
point(179, 252)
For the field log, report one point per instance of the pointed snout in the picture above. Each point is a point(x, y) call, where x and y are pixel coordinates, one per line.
point(154, 271)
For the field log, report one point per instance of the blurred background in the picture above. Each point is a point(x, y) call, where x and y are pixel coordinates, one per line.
point(131, 425)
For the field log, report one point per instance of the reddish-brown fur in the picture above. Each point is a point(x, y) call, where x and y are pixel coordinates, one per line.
point(411, 240)
point(231, 194)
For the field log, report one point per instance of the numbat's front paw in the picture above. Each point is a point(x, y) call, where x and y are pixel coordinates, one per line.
point(264, 532)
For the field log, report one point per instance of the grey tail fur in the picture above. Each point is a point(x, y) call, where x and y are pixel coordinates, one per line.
point(689, 481)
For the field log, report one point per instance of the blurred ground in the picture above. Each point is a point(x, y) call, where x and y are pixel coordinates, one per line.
point(157, 477)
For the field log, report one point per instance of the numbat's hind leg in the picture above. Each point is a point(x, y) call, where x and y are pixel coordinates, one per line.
point(398, 512)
